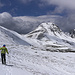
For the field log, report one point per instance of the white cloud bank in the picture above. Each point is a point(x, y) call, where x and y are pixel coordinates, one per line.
point(25, 24)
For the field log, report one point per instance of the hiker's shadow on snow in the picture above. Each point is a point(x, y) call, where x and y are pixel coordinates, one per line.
point(9, 65)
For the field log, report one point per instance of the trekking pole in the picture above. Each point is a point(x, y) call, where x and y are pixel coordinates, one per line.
point(9, 57)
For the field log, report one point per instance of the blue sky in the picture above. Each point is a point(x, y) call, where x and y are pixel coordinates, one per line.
point(30, 7)
point(19, 8)
point(37, 7)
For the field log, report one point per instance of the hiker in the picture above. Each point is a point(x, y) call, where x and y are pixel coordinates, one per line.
point(3, 54)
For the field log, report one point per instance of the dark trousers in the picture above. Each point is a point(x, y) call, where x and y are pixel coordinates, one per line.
point(3, 58)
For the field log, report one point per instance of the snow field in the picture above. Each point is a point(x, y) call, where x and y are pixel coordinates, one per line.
point(29, 61)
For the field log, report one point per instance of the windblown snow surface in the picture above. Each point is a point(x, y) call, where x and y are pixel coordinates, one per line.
point(34, 56)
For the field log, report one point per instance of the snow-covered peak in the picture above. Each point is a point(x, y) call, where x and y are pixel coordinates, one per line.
point(48, 34)
point(48, 28)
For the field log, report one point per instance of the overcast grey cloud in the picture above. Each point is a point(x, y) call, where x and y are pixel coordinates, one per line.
point(24, 24)
point(67, 23)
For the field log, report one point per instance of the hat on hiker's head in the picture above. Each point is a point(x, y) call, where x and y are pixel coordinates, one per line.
point(4, 45)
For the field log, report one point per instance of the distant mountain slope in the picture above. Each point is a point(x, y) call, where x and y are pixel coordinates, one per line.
point(31, 60)
point(8, 36)
point(46, 28)
point(48, 34)
point(72, 33)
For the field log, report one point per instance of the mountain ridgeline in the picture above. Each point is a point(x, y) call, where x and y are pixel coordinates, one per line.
point(45, 28)
point(47, 36)
point(50, 36)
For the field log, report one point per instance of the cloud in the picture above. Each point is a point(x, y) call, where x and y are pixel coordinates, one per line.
point(1, 5)
point(7, 20)
point(5, 17)
point(24, 24)
point(62, 3)
point(67, 23)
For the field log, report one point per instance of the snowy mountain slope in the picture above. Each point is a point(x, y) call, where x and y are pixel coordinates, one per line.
point(47, 37)
point(12, 35)
point(48, 29)
point(48, 34)
point(31, 61)
point(36, 59)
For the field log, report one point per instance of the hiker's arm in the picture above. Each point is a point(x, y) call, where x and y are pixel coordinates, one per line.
point(7, 51)
point(0, 48)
